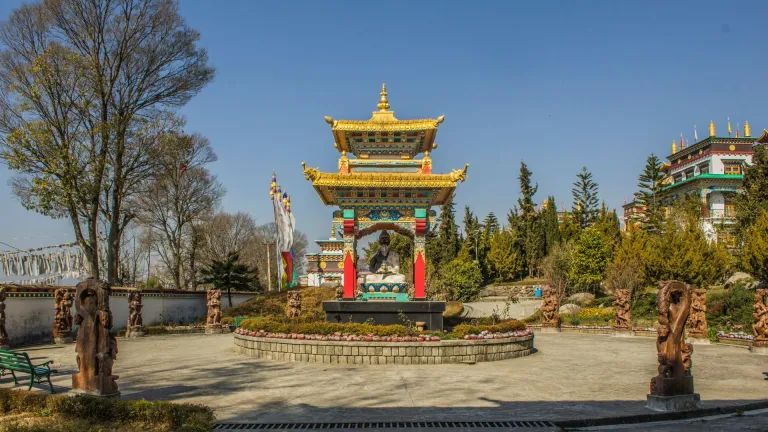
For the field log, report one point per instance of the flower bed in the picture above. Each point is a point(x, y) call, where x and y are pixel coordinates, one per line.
point(372, 337)
point(735, 336)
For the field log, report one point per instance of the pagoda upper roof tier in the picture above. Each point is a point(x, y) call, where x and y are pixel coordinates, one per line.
point(707, 142)
point(391, 188)
point(383, 135)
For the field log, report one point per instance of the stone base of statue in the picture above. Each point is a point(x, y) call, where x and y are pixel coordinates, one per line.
point(386, 312)
point(63, 340)
point(623, 332)
point(79, 392)
point(759, 347)
point(697, 339)
point(134, 332)
point(685, 402)
point(550, 329)
point(214, 329)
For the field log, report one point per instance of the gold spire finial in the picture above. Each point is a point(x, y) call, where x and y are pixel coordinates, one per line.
point(711, 128)
point(383, 102)
point(674, 147)
point(746, 129)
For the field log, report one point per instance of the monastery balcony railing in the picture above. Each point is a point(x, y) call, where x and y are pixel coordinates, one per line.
point(727, 215)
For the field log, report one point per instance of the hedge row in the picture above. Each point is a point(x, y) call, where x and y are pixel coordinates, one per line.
point(324, 328)
point(462, 330)
point(159, 414)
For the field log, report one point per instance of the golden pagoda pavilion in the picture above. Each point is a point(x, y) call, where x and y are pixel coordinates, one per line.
point(381, 184)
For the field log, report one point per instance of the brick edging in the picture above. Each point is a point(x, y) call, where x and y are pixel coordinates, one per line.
point(343, 352)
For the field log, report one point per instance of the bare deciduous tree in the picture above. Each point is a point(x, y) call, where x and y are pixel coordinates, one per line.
point(183, 195)
point(78, 77)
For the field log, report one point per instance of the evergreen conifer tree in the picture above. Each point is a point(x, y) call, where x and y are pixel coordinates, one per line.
point(229, 274)
point(650, 183)
point(448, 233)
point(754, 200)
point(472, 241)
point(550, 225)
point(585, 199)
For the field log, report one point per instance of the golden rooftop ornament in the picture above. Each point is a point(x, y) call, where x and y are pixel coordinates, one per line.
point(383, 105)
point(711, 128)
point(746, 129)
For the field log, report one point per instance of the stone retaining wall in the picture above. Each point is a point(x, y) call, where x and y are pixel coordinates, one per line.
point(450, 351)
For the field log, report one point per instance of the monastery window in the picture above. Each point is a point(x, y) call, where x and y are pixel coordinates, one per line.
point(727, 238)
point(407, 194)
point(678, 178)
point(732, 168)
point(730, 206)
point(689, 173)
point(704, 168)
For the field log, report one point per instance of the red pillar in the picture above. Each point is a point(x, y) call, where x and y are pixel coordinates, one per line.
point(350, 275)
point(419, 273)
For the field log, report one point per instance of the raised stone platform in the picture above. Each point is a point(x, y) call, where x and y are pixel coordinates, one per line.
point(684, 402)
point(442, 352)
point(429, 312)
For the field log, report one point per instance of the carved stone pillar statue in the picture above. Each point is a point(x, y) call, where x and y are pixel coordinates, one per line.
point(293, 309)
point(135, 326)
point(760, 325)
point(3, 333)
point(697, 321)
point(213, 322)
point(550, 318)
point(622, 313)
point(96, 347)
point(62, 320)
point(672, 388)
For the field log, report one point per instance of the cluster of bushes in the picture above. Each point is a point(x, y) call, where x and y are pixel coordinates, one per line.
point(730, 307)
point(589, 316)
point(64, 413)
point(272, 304)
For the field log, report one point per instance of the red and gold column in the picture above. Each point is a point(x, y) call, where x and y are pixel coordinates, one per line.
point(420, 255)
point(350, 245)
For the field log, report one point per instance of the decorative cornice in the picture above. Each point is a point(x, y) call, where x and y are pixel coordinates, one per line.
point(385, 180)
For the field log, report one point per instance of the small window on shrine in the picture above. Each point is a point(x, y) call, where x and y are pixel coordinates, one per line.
point(371, 140)
point(407, 194)
point(733, 168)
point(359, 194)
point(383, 194)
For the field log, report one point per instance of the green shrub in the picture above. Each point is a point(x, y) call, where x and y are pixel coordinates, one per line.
point(605, 301)
point(272, 304)
point(324, 328)
point(90, 413)
point(730, 306)
point(462, 330)
point(463, 278)
point(645, 306)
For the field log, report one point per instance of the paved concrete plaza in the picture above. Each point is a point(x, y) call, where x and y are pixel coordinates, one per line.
point(571, 376)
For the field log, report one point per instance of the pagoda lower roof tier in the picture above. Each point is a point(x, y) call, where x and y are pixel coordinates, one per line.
point(718, 143)
point(700, 179)
point(393, 188)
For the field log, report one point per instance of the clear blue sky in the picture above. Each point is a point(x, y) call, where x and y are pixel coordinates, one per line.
point(555, 84)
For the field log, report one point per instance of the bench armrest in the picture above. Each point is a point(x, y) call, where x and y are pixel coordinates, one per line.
point(46, 364)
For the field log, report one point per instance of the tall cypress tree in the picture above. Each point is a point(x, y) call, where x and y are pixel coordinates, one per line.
point(472, 233)
point(529, 227)
point(448, 233)
point(550, 225)
point(650, 183)
point(585, 199)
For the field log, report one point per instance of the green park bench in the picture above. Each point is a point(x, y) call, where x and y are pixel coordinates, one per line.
point(12, 361)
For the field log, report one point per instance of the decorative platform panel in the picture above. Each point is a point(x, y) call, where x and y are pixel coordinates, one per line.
point(387, 287)
point(377, 353)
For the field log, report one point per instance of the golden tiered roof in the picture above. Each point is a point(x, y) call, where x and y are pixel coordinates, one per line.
point(385, 171)
point(383, 135)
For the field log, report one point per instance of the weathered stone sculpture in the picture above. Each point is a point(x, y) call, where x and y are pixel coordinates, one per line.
point(672, 388)
point(96, 347)
point(293, 310)
point(697, 331)
point(622, 312)
point(339, 293)
point(760, 325)
point(62, 320)
point(550, 319)
point(213, 323)
point(3, 333)
point(135, 324)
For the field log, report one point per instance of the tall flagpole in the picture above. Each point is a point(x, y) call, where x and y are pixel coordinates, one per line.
point(269, 271)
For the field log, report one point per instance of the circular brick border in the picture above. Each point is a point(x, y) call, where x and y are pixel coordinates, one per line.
point(442, 352)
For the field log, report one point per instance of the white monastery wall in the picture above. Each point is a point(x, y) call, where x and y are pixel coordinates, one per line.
point(29, 315)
